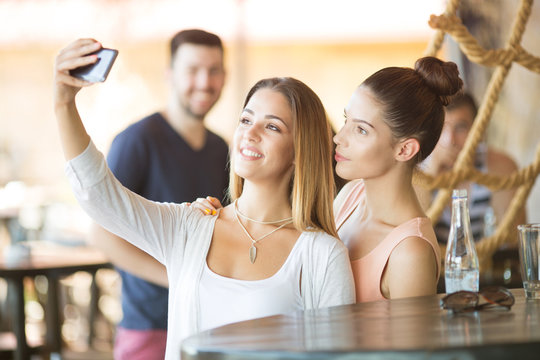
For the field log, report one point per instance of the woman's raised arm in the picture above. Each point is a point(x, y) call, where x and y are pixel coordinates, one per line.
point(150, 226)
point(73, 135)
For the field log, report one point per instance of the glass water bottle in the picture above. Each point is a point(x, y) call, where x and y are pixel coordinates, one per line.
point(461, 262)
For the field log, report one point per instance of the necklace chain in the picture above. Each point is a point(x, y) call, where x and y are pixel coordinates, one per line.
point(258, 221)
point(253, 248)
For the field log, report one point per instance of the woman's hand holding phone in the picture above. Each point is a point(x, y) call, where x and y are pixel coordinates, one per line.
point(72, 132)
point(78, 65)
point(98, 71)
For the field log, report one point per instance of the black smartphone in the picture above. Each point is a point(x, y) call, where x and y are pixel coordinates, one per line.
point(98, 71)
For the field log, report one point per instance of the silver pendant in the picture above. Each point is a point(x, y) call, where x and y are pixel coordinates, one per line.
point(252, 253)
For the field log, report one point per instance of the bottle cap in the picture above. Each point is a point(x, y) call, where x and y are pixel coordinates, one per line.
point(459, 194)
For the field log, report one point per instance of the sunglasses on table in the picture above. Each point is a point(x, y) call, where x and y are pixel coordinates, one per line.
point(465, 301)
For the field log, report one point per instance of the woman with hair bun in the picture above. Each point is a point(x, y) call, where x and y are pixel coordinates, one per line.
point(392, 122)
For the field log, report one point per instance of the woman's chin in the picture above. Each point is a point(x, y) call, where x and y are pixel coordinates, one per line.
point(345, 175)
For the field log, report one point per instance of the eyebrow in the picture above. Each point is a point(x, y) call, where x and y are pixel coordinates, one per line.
point(359, 120)
point(364, 122)
point(268, 116)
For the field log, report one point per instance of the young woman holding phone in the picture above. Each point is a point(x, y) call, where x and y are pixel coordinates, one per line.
point(272, 251)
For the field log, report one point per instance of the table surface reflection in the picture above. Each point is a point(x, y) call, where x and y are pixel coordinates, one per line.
point(397, 329)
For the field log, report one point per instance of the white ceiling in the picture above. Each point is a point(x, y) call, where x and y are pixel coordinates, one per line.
point(28, 21)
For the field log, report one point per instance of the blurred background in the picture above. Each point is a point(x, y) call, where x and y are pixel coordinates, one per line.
point(330, 45)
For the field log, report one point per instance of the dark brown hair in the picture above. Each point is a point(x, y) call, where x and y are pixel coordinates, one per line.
point(194, 36)
point(412, 99)
point(461, 100)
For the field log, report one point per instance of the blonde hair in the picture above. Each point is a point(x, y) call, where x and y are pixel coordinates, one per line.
point(312, 187)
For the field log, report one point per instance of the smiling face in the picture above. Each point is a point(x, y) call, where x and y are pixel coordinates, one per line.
point(197, 78)
point(263, 140)
point(365, 145)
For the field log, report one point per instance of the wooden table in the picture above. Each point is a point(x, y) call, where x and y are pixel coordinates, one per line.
point(414, 328)
point(54, 262)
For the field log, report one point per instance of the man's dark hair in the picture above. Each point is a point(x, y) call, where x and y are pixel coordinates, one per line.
point(194, 36)
point(463, 99)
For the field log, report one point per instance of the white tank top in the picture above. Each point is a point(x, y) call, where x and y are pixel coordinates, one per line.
point(225, 300)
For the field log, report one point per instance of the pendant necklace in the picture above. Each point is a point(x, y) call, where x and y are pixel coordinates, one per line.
point(253, 248)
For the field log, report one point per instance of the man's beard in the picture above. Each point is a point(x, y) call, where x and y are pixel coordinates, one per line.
point(188, 110)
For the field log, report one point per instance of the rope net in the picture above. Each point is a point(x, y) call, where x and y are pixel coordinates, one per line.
point(464, 170)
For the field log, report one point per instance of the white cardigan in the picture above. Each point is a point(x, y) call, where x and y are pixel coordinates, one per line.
point(179, 237)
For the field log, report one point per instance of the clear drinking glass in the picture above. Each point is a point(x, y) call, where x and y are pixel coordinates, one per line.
point(529, 249)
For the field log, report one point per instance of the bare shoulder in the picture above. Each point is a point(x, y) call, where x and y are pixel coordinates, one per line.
point(500, 163)
point(411, 270)
point(413, 250)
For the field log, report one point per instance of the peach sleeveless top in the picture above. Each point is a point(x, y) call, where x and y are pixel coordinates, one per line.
point(369, 269)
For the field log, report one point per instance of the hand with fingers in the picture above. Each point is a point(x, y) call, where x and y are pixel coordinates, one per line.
point(72, 132)
point(208, 205)
point(76, 54)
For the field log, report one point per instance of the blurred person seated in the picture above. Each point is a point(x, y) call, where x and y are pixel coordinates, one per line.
point(486, 208)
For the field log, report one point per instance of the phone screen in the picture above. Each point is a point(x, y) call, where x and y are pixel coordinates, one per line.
point(98, 71)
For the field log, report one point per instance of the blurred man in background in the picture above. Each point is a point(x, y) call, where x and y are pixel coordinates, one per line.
point(486, 208)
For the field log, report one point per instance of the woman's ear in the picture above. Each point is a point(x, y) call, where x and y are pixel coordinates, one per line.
point(407, 149)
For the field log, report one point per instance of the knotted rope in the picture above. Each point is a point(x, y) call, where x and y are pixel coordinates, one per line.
point(464, 169)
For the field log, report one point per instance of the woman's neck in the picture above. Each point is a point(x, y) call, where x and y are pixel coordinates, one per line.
point(263, 203)
point(391, 198)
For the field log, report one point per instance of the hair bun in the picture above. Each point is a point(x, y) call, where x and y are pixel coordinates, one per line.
point(442, 77)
